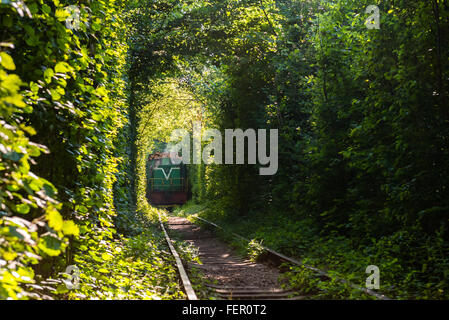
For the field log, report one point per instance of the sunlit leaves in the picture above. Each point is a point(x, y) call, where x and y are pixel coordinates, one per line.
point(73, 96)
point(54, 218)
point(22, 208)
point(48, 75)
point(6, 61)
point(70, 228)
point(137, 268)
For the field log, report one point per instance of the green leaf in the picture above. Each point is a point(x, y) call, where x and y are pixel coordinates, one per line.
point(81, 209)
point(103, 270)
point(61, 14)
point(23, 208)
point(97, 116)
point(106, 256)
point(34, 87)
point(55, 94)
point(70, 228)
point(50, 245)
point(48, 75)
point(46, 9)
point(62, 67)
point(49, 190)
point(13, 156)
point(9, 256)
point(54, 219)
point(6, 61)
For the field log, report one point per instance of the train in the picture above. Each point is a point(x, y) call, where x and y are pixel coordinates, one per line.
point(167, 183)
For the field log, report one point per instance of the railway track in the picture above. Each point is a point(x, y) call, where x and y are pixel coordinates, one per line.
point(234, 277)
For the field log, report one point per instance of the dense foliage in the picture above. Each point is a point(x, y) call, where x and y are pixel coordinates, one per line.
point(362, 118)
point(363, 135)
point(65, 192)
point(62, 86)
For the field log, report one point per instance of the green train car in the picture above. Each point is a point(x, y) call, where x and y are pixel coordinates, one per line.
point(167, 183)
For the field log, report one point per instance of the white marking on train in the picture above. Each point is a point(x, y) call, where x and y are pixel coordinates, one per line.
point(165, 175)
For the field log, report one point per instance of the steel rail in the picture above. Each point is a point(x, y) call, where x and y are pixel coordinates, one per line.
point(182, 272)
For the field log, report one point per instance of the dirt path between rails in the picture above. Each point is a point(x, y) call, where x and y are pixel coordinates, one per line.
point(234, 275)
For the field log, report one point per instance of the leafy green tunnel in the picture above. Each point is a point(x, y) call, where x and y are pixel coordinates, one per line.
point(363, 136)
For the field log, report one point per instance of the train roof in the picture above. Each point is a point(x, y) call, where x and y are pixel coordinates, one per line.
point(162, 155)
